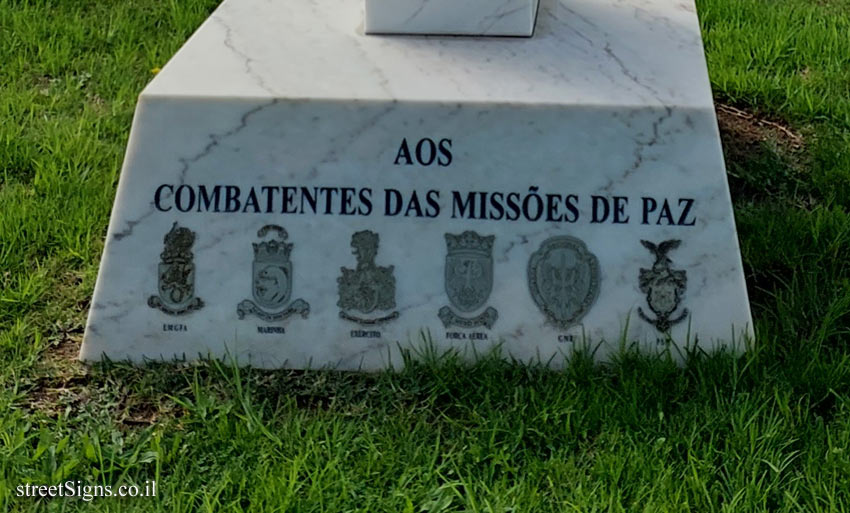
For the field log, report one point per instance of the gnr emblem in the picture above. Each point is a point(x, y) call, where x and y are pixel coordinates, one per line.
point(564, 280)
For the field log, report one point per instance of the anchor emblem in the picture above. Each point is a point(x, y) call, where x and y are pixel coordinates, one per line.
point(272, 280)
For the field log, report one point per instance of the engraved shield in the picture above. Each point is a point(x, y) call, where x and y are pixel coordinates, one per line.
point(469, 279)
point(368, 287)
point(564, 279)
point(367, 290)
point(176, 283)
point(272, 283)
point(662, 298)
point(665, 292)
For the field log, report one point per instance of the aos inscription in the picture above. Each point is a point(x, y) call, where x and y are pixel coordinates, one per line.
point(427, 152)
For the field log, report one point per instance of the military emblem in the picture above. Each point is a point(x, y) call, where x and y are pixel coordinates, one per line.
point(272, 280)
point(564, 280)
point(469, 280)
point(663, 286)
point(369, 288)
point(176, 274)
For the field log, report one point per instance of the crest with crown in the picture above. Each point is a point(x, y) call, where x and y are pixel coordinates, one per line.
point(178, 245)
point(470, 242)
point(275, 250)
point(364, 239)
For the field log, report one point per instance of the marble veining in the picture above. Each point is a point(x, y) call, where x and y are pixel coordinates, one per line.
point(284, 117)
point(609, 52)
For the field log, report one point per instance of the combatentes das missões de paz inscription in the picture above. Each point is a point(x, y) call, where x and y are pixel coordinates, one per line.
point(529, 205)
point(533, 204)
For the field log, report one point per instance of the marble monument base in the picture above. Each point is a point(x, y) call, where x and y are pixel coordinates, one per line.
point(299, 194)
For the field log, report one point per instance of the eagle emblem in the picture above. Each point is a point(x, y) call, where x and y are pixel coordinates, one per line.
point(664, 286)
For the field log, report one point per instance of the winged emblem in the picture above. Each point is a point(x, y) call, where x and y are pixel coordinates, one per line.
point(664, 286)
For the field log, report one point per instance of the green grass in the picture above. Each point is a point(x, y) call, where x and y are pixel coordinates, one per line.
point(768, 431)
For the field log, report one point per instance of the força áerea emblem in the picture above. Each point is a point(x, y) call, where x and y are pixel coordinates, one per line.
point(468, 280)
point(368, 289)
point(563, 277)
point(176, 274)
point(663, 286)
point(272, 280)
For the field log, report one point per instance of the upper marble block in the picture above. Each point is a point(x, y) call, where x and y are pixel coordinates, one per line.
point(640, 53)
point(452, 17)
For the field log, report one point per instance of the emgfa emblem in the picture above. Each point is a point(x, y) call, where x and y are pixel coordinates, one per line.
point(176, 274)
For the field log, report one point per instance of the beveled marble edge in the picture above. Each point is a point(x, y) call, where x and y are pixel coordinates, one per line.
point(153, 95)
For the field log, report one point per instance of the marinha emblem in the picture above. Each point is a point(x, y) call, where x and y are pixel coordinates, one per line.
point(564, 280)
point(272, 280)
point(663, 286)
point(368, 289)
point(176, 274)
point(469, 280)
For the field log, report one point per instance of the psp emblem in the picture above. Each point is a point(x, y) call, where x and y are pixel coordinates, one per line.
point(176, 274)
point(272, 280)
point(563, 277)
point(469, 280)
point(663, 286)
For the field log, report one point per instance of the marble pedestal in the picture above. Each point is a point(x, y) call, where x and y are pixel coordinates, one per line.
point(451, 17)
point(299, 194)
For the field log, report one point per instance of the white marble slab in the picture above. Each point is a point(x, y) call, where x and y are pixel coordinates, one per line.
point(451, 17)
point(609, 99)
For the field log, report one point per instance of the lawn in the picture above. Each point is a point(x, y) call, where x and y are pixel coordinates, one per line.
point(766, 431)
